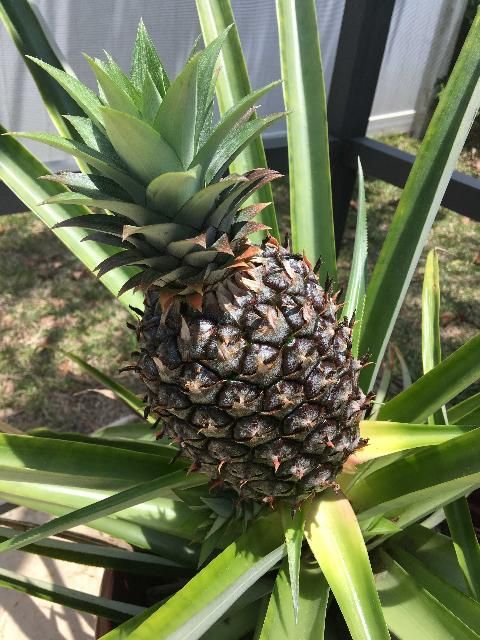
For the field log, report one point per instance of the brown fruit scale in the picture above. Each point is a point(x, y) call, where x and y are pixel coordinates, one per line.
point(258, 385)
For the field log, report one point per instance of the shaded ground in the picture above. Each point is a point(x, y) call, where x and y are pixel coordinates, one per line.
point(48, 301)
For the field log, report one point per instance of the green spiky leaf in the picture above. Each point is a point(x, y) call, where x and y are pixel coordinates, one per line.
point(134, 212)
point(357, 282)
point(111, 609)
point(235, 142)
point(229, 120)
point(177, 115)
point(116, 97)
point(294, 528)
point(280, 623)
point(334, 536)
point(151, 99)
point(144, 150)
point(170, 191)
point(106, 164)
point(146, 59)
point(83, 96)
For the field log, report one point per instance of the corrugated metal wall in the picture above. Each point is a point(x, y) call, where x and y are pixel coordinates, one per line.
point(418, 50)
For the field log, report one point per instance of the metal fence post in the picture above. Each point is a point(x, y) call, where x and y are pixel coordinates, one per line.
point(361, 45)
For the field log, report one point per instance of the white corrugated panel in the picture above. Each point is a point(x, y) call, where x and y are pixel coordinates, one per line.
point(418, 52)
point(94, 25)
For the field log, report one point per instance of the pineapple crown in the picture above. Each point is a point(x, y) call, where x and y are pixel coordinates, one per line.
point(155, 163)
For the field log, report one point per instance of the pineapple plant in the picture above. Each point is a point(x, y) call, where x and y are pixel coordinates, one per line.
point(248, 362)
point(241, 351)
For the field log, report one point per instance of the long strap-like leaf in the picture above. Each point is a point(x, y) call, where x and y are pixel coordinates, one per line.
point(465, 542)
point(133, 526)
point(357, 281)
point(309, 163)
point(450, 465)
point(196, 607)
point(413, 611)
point(280, 622)
point(122, 500)
point(97, 555)
point(457, 513)
point(431, 346)
point(31, 40)
point(120, 392)
point(111, 609)
point(294, 529)
point(81, 464)
point(460, 604)
point(435, 550)
point(233, 84)
point(437, 387)
point(20, 170)
point(465, 412)
point(420, 201)
point(334, 536)
point(385, 438)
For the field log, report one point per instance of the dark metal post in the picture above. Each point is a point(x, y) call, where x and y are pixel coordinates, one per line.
point(359, 57)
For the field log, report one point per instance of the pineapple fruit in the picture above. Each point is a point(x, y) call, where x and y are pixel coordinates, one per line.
point(240, 349)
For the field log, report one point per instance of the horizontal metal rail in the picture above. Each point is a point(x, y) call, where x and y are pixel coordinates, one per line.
point(392, 165)
point(379, 160)
point(387, 163)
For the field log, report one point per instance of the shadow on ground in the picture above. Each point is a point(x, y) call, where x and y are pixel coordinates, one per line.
point(48, 302)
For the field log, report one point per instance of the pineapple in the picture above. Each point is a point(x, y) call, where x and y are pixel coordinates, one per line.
point(240, 349)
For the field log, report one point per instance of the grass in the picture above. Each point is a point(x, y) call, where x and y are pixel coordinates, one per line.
point(48, 301)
